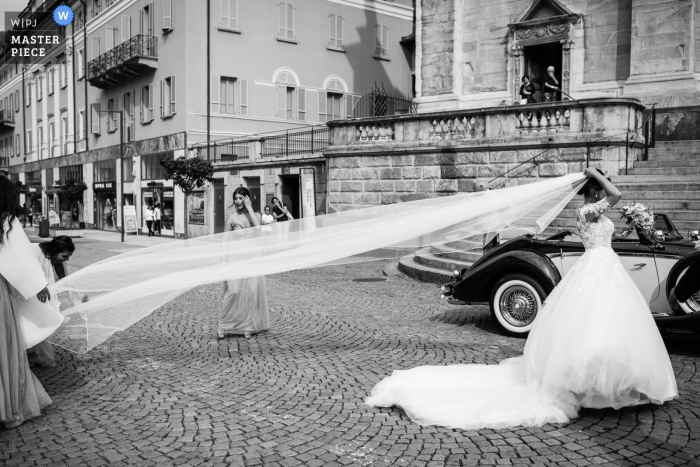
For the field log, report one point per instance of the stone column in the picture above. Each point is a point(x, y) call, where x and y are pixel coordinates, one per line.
point(518, 65)
point(663, 48)
point(566, 46)
point(70, 138)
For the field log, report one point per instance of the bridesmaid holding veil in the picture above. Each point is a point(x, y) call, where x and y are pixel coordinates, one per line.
point(594, 344)
point(244, 310)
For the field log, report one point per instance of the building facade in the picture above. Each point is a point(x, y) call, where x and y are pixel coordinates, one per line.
point(180, 75)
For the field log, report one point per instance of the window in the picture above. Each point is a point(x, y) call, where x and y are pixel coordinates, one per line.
point(229, 15)
point(96, 7)
point(70, 172)
point(52, 136)
point(28, 142)
point(129, 117)
point(146, 20)
point(334, 105)
point(17, 100)
point(79, 20)
point(95, 118)
point(18, 149)
point(40, 138)
point(167, 15)
point(336, 32)
point(105, 171)
point(301, 104)
point(52, 76)
point(147, 103)
point(286, 21)
point(95, 47)
point(64, 133)
point(28, 94)
point(81, 63)
point(167, 97)
point(64, 74)
point(128, 169)
point(112, 116)
point(111, 38)
point(195, 208)
point(286, 93)
point(229, 95)
point(81, 124)
point(381, 50)
point(151, 168)
point(39, 88)
point(126, 28)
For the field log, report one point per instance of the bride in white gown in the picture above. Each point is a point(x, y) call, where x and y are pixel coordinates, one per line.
point(593, 344)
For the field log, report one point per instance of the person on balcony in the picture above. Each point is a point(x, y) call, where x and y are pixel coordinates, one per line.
point(551, 86)
point(527, 91)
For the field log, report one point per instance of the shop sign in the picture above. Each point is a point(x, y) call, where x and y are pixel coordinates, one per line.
point(130, 224)
point(104, 186)
point(308, 197)
point(168, 194)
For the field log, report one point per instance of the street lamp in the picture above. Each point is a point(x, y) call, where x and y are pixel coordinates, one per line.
point(121, 162)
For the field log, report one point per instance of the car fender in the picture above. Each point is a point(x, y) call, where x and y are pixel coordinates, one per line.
point(677, 269)
point(476, 284)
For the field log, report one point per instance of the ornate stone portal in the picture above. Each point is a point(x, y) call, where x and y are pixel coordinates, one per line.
point(545, 22)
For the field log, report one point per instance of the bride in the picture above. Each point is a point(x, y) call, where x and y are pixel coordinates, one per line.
point(594, 344)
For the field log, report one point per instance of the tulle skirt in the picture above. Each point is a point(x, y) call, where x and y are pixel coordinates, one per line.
point(21, 395)
point(594, 344)
point(244, 309)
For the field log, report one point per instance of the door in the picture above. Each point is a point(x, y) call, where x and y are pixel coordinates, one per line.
point(537, 59)
point(291, 194)
point(219, 205)
point(253, 184)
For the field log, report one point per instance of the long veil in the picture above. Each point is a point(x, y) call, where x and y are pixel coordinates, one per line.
point(113, 294)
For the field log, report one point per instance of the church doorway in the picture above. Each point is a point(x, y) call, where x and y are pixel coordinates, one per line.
point(537, 59)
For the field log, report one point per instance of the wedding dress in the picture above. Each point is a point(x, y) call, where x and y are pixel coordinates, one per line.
point(593, 344)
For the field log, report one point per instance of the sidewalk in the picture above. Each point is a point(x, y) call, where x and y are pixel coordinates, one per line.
point(130, 240)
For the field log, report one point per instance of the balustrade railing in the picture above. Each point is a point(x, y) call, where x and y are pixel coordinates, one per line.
point(7, 116)
point(543, 122)
point(138, 46)
point(295, 143)
point(226, 151)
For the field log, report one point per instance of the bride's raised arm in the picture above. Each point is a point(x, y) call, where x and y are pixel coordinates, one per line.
point(611, 192)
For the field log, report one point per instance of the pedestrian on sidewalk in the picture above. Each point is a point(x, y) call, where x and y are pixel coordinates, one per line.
point(280, 211)
point(149, 215)
point(156, 219)
point(28, 214)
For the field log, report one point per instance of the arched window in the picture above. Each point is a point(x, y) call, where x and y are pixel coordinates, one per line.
point(334, 103)
point(291, 98)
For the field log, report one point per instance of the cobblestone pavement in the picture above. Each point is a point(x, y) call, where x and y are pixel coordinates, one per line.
point(166, 392)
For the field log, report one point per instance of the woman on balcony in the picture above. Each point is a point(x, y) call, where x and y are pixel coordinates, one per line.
point(527, 91)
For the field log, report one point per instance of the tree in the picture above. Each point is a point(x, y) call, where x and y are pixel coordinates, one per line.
point(188, 174)
point(73, 189)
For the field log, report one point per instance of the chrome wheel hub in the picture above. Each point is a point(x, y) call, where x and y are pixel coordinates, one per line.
point(518, 305)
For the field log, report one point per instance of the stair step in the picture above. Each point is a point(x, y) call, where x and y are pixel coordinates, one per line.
point(661, 186)
point(426, 258)
point(672, 156)
point(445, 252)
point(688, 143)
point(422, 272)
point(665, 171)
point(667, 163)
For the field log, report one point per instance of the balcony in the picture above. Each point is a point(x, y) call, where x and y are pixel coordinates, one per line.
point(126, 60)
point(7, 119)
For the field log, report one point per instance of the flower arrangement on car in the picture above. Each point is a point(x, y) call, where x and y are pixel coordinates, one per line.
point(639, 217)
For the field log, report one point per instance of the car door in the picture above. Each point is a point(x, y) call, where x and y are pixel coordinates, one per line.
point(638, 261)
point(570, 253)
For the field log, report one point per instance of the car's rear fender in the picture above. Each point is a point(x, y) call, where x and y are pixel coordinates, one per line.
point(477, 283)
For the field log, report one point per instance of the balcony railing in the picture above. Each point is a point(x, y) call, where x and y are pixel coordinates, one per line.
point(7, 118)
point(269, 145)
point(295, 143)
point(129, 58)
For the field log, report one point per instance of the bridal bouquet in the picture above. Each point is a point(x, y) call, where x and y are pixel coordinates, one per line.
point(639, 216)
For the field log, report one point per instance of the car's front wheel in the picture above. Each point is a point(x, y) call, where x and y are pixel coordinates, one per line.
point(515, 301)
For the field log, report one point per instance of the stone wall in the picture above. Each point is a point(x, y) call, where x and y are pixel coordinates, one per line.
point(437, 46)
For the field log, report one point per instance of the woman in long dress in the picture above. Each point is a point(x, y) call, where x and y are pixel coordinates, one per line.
point(21, 395)
point(52, 257)
point(594, 344)
point(244, 310)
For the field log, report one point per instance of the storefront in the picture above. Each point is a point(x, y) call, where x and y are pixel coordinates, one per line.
point(34, 195)
point(105, 205)
point(162, 196)
point(71, 210)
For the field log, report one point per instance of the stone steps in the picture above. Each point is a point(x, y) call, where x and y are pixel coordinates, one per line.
point(666, 163)
point(665, 170)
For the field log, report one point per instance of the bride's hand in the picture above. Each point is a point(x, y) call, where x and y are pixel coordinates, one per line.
point(44, 295)
point(590, 172)
point(248, 204)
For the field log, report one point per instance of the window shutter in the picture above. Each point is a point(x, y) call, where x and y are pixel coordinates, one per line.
point(95, 47)
point(290, 21)
point(332, 30)
point(282, 16)
point(385, 41)
point(215, 99)
point(150, 101)
point(233, 18)
point(151, 18)
point(126, 28)
point(162, 98)
point(109, 38)
point(172, 94)
point(281, 101)
point(301, 94)
point(142, 104)
point(167, 15)
point(339, 31)
point(95, 119)
point(378, 33)
point(228, 101)
point(244, 96)
point(142, 19)
point(225, 8)
point(322, 107)
point(132, 115)
point(17, 101)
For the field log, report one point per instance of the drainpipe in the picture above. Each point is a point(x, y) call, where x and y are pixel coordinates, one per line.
point(85, 71)
point(75, 110)
point(208, 74)
point(24, 116)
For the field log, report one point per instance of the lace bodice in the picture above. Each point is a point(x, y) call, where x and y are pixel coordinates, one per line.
point(595, 234)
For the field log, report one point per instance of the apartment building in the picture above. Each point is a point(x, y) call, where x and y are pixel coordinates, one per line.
point(168, 76)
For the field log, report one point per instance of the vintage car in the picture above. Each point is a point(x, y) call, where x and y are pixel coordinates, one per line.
point(515, 276)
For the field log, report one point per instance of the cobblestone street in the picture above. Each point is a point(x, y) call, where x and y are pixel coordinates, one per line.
point(166, 392)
